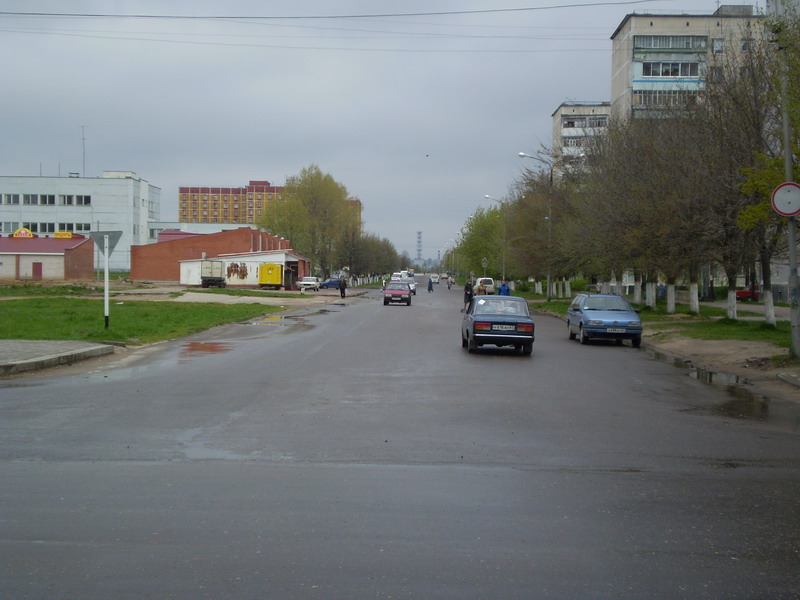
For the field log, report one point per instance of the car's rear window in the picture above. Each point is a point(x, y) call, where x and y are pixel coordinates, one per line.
point(606, 303)
point(496, 306)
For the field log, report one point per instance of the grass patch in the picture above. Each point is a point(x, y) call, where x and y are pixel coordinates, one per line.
point(11, 291)
point(247, 292)
point(728, 329)
point(134, 322)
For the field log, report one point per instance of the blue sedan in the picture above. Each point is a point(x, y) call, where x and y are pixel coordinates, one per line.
point(333, 282)
point(603, 317)
point(498, 321)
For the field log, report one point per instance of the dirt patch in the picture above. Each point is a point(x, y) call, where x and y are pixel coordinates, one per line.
point(759, 363)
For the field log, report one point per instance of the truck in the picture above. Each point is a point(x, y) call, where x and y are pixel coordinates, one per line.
point(212, 273)
point(270, 276)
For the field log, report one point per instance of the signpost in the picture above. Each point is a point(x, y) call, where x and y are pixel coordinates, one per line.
point(105, 241)
point(786, 202)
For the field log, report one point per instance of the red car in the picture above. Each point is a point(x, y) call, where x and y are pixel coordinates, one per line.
point(397, 291)
point(747, 294)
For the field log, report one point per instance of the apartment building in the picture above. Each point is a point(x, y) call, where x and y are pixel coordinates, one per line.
point(226, 204)
point(660, 60)
point(575, 126)
point(116, 201)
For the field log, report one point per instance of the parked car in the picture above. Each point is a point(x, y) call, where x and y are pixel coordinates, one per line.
point(309, 283)
point(603, 316)
point(435, 278)
point(747, 294)
point(333, 282)
point(412, 283)
point(498, 320)
point(397, 291)
point(488, 283)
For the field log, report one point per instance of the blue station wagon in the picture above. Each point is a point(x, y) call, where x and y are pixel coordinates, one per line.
point(603, 317)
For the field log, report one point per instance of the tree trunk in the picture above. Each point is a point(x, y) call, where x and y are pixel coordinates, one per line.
point(567, 288)
point(671, 298)
point(637, 288)
point(650, 294)
point(766, 292)
point(694, 296)
point(731, 309)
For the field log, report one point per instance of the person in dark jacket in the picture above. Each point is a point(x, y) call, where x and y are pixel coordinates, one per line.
point(468, 293)
point(342, 286)
point(430, 285)
point(503, 290)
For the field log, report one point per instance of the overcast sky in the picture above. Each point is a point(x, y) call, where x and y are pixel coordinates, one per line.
point(418, 107)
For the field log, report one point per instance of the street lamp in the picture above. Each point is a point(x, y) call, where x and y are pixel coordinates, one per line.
point(548, 218)
point(503, 208)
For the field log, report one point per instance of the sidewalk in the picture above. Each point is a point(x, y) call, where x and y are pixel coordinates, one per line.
point(17, 356)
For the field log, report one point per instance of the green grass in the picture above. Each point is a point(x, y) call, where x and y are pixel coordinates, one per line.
point(49, 290)
point(131, 322)
point(728, 329)
point(248, 292)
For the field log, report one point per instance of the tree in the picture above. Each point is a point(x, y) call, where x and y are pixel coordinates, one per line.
point(313, 214)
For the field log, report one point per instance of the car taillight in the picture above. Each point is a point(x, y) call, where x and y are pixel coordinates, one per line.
point(479, 326)
point(525, 327)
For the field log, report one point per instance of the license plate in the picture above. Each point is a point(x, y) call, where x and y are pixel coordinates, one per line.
point(616, 330)
point(504, 327)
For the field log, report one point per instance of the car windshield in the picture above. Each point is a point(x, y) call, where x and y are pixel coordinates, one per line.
point(397, 286)
point(606, 303)
point(497, 306)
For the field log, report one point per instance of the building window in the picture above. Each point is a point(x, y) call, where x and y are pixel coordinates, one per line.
point(747, 45)
point(717, 46)
point(572, 142)
point(670, 69)
point(669, 42)
point(661, 98)
point(10, 198)
point(30, 199)
point(9, 227)
point(83, 200)
point(66, 200)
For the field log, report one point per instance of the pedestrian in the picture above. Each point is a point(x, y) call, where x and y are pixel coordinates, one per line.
point(503, 290)
point(342, 286)
point(481, 291)
point(430, 285)
point(468, 293)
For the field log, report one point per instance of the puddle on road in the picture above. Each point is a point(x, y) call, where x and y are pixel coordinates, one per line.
point(190, 349)
point(743, 403)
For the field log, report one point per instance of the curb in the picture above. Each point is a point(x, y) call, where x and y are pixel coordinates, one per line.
point(53, 360)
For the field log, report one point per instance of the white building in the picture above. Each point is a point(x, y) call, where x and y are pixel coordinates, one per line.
point(575, 125)
point(117, 201)
point(660, 59)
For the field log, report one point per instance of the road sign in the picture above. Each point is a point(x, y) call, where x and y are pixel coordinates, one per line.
point(113, 238)
point(786, 199)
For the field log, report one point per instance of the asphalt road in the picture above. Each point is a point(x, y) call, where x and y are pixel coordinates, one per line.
point(358, 452)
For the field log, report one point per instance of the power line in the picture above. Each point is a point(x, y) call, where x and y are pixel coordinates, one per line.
point(351, 16)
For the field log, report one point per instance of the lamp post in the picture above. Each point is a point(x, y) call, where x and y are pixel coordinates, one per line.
point(502, 208)
point(548, 218)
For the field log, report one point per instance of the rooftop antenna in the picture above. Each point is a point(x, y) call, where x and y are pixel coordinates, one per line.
point(83, 140)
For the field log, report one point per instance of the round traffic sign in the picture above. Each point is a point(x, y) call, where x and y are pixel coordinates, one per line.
point(786, 199)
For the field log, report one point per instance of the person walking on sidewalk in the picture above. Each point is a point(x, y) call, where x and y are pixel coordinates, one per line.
point(342, 286)
point(430, 285)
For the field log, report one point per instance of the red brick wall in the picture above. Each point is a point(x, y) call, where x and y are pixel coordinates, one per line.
point(160, 261)
point(79, 261)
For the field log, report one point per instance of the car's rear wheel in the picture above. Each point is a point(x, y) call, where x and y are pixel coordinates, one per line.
point(527, 348)
point(471, 345)
point(463, 341)
point(571, 333)
point(582, 337)
point(409, 302)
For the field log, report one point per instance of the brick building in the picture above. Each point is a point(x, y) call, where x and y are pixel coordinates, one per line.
point(26, 256)
point(161, 261)
point(226, 204)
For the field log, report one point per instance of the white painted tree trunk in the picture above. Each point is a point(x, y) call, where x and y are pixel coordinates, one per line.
point(650, 294)
point(671, 298)
point(769, 307)
point(731, 304)
point(637, 291)
point(694, 298)
point(567, 288)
